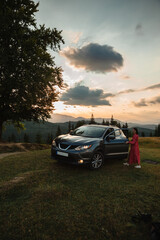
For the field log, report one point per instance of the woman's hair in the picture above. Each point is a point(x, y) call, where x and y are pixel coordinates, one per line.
point(136, 130)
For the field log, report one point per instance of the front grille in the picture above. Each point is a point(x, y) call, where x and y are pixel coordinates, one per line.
point(73, 146)
point(63, 146)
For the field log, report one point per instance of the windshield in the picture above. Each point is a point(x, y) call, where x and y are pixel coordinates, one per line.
point(89, 131)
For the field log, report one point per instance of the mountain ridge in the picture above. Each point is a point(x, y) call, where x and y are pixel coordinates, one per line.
point(60, 118)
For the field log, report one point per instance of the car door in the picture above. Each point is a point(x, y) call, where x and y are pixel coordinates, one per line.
point(115, 143)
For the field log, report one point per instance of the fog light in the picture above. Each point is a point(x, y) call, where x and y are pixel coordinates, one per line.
point(80, 161)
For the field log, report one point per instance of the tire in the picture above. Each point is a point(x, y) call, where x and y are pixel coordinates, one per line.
point(97, 160)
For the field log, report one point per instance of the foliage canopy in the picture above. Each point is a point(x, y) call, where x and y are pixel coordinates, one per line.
point(28, 75)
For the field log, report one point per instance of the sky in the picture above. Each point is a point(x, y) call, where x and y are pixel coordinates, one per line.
point(110, 59)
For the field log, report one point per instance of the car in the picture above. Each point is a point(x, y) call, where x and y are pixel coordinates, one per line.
point(90, 145)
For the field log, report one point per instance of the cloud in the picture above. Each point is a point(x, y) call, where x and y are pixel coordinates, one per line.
point(144, 102)
point(152, 87)
point(94, 57)
point(83, 96)
point(155, 100)
point(125, 77)
point(155, 86)
point(141, 103)
point(72, 36)
point(126, 91)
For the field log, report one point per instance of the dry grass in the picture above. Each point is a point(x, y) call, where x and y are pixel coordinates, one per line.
point(151, 142)
point(57, 201)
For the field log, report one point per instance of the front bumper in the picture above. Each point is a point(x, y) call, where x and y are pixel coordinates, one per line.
point(73, 157)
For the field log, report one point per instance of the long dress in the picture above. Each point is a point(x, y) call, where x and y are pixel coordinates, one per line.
point(134, 156)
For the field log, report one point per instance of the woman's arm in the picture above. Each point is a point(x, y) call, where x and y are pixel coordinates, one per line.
point(134, 140)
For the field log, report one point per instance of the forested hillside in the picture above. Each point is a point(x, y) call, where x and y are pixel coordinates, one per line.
point(34, 132)
point(45, 132)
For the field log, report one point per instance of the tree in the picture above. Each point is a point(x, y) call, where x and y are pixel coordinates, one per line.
point(26, 138)
point(142, 134)
point(118, 124)
point(58, 131)
point(28, 74)
point(113, 122)
point(80, 123)
point(92, 121)
point(49, 138)
point(69, 126)
point(107, 123)
point(103, 122)
point(13, 138)
point(157, 130)
point(38, 138)
point(9, 138)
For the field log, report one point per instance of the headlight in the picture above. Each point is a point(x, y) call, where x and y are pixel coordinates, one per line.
point(54, 143)
point(83, 147)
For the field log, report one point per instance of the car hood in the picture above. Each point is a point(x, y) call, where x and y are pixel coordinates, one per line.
point(75, 140)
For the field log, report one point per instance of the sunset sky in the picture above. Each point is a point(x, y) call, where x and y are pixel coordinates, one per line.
point(111, 57)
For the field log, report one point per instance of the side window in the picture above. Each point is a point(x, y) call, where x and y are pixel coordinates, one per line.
point(117, 133)
point(112, 132)
point(109, 130)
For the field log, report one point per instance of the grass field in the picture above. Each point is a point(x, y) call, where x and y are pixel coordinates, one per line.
point(43, 200)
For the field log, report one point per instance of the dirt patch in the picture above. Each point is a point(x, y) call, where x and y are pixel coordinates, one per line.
point(150, 161)
point(2, 155)
point(9, 184)
point(21, 147)
point(16, 180)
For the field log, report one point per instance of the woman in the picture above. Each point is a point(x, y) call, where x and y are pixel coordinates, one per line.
point(134, 156)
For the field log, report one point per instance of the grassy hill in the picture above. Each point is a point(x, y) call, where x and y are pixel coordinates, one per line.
point(41, 199)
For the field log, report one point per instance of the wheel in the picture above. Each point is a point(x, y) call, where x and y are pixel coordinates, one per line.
point(97, 160)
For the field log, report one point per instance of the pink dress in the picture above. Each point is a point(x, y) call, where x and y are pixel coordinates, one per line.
point(134, 156)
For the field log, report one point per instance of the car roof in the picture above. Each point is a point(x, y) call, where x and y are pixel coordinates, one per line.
point(103, 126)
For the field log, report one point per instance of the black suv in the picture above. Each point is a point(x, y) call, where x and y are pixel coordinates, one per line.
point(90, 144)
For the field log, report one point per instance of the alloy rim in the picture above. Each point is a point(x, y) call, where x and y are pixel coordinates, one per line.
point(97, 160)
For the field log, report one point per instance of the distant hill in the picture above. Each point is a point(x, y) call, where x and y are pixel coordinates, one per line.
point(57, 118)
point(146, 126)
point(146, 132)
